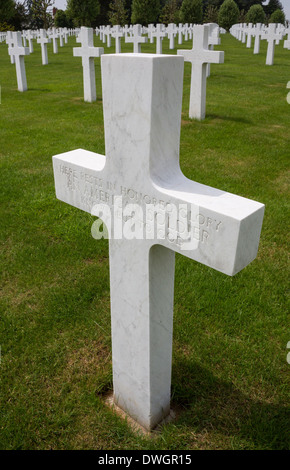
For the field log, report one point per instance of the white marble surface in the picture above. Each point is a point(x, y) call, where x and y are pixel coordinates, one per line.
point(136, 39)
point(9, 42)
point(54, 36)
point(159, 34)
point(142, 101)
point(199, 56)
point(88, 52)
point(43, 40)
point(272, 37)
point(117, 34)
point(19, 52)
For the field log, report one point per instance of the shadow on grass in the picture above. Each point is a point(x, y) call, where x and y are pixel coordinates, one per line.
point(40, 90)
point(228, 118)
point(209, 403)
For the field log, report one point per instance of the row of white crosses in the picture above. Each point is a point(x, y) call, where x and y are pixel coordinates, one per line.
point(142, 104)
point(200, 56)
point(17, 49)
point(273, 34)
point(136, 35)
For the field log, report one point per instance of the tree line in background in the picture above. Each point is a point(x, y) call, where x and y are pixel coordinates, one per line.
point(35, 14)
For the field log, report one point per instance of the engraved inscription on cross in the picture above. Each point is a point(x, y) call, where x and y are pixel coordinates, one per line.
point(142, 100)
point(88, 52)
point(199, 56)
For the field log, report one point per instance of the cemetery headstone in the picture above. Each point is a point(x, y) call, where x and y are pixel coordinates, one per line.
point(88, 52)
point(142, 101)
point(199, 56)
point(19, 52)
point(137, 39)
point(43, 40)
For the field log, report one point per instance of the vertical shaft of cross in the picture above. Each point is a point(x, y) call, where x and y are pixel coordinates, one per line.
point(142, 122)
point(89, 77)
point(142, 318)
point(19, 52)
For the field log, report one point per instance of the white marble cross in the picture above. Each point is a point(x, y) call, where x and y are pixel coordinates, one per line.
point(213, 40)
point(117, 33)
point(54, 36)
point(150, 29)
point(137, 39)
point(257, 32)
point(88, 52)
point(108, 34)
point(287, 41)
point(199, 56)
point(43, 40)
point(272, 37)
point(142, 101)
point(250, 30)
point(171, 33)
point(18, 51)
point(61, 37)
point(244, 33)
point(180, 33)
point(9, 42)
point(30, 37)
point(159, 34)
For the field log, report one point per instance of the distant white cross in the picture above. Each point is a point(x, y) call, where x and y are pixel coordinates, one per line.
point(88, 52)
point(287, 41)
point(54, 36)
point(171, 33)
point(30, 37)
point(250, 30)
point(9, 42)
point(142, 120)
point(199, 56)
point(213, 40)
point(137, 39)
point(180, 33)
point(117, 33)
point(159, 34)
point(43, 40)
point(19, 52)
point(257, 32)
point(272, 37)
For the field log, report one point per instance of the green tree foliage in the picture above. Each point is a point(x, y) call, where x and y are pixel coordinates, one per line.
point(211, 14)
point(20, 18)
point(7, 10)
point(83, 12)
point(61, 20)
point(145, 11)
point(256, 14)
point(118, 13)
point(170, 12)
point(191, 11)
point(242, 16)
point(272, 6)
point(277, 17)
point(40, 13)
point(228, 14)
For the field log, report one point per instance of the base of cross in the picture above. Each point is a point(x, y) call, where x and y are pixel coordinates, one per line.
point(134, 425)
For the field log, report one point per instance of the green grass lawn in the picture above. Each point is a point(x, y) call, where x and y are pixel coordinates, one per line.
point(229, 377)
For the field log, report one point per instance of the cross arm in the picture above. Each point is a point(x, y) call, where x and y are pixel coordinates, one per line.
point(78, 177)
point(203, 57)
point(219, 229)
point(89, 52)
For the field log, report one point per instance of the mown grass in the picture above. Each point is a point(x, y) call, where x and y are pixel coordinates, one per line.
point(229, 382)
